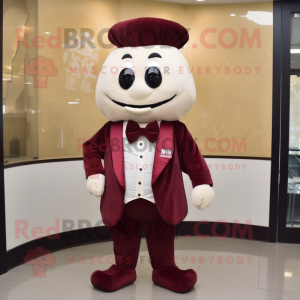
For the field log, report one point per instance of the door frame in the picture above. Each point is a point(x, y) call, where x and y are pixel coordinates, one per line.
point(276, 106)
point(285, 235)
point(3, 263)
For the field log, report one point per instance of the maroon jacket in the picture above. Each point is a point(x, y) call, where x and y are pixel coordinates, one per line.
point(167, 182)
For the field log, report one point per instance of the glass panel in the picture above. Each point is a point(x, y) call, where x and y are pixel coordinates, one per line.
point(293, 209)
point(50, 112)
point(20, 102)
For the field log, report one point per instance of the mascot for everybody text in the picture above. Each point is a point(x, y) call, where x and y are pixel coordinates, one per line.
point(145, 147)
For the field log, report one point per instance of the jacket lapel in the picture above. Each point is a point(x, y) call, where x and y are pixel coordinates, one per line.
point(164, 149)
point(116, 148)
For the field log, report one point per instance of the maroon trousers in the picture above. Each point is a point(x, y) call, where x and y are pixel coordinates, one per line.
point(126, 236)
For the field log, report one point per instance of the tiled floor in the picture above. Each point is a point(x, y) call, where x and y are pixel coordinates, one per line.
point(227, 269)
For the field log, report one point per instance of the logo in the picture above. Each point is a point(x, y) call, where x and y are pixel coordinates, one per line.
point(39, 258)
point(166, 153)
point(40, 68)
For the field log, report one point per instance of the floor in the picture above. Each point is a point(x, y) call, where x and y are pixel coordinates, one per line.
point(227, 269)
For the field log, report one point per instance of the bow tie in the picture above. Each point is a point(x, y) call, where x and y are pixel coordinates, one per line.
point(134, 131)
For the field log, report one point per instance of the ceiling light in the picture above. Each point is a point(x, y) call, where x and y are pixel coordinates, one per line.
point(288, 274)
point(73, 102)
point(232, 15)
point(28, 82)
point(295, 51)
point(200, 0)
point(47, 32)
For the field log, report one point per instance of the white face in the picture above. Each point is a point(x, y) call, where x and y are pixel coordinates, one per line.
point(139, 102)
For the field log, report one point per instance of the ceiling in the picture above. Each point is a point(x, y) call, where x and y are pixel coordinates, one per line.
point(189, 2)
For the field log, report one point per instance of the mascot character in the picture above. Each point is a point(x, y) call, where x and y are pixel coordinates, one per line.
point(143, 90)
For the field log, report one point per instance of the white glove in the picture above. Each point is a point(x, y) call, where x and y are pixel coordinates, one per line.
point(95, 186)
point(202, 196)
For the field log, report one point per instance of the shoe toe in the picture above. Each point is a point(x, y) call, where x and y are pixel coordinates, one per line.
point(112, 279)
point(174, 279)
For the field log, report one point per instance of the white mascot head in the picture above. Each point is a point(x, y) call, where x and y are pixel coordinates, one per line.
point(146, 78)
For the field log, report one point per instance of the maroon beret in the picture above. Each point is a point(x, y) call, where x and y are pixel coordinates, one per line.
point(147, 32)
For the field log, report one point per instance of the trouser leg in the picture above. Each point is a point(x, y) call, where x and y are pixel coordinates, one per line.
point(126, 236)
point(160, 241)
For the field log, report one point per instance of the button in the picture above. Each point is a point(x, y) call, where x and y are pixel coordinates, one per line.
point(139, 194)
point(140, 183)
point(141, 144)
point(141, 169)
point(141, 156)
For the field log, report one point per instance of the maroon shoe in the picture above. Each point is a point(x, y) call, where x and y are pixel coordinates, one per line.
point(174, 279)
point(113, 279)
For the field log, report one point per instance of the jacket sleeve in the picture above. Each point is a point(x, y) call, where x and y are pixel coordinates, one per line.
point(191, 160)
point(94, 150)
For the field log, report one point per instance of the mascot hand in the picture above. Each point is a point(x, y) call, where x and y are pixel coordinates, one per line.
point(202, 196)
point(95, 184)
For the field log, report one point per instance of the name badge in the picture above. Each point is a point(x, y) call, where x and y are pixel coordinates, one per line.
point(166, 153)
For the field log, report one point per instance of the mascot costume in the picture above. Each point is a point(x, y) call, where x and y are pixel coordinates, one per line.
point(144, 88)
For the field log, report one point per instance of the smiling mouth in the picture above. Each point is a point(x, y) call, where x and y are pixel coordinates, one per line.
point(142, 106)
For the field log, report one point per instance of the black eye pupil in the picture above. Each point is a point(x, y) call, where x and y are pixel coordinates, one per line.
point(153, 77)
point(126, 78)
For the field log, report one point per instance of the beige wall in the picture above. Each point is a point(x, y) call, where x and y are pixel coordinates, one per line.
point(231, 106)
point(131, 9)
point(62, 126)
point(232, 111)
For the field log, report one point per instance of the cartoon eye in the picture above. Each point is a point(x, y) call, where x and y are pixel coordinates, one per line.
point(36, 68)
point(153, 63)
point(153, 75)
point(126, 77)
point(45, 68)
